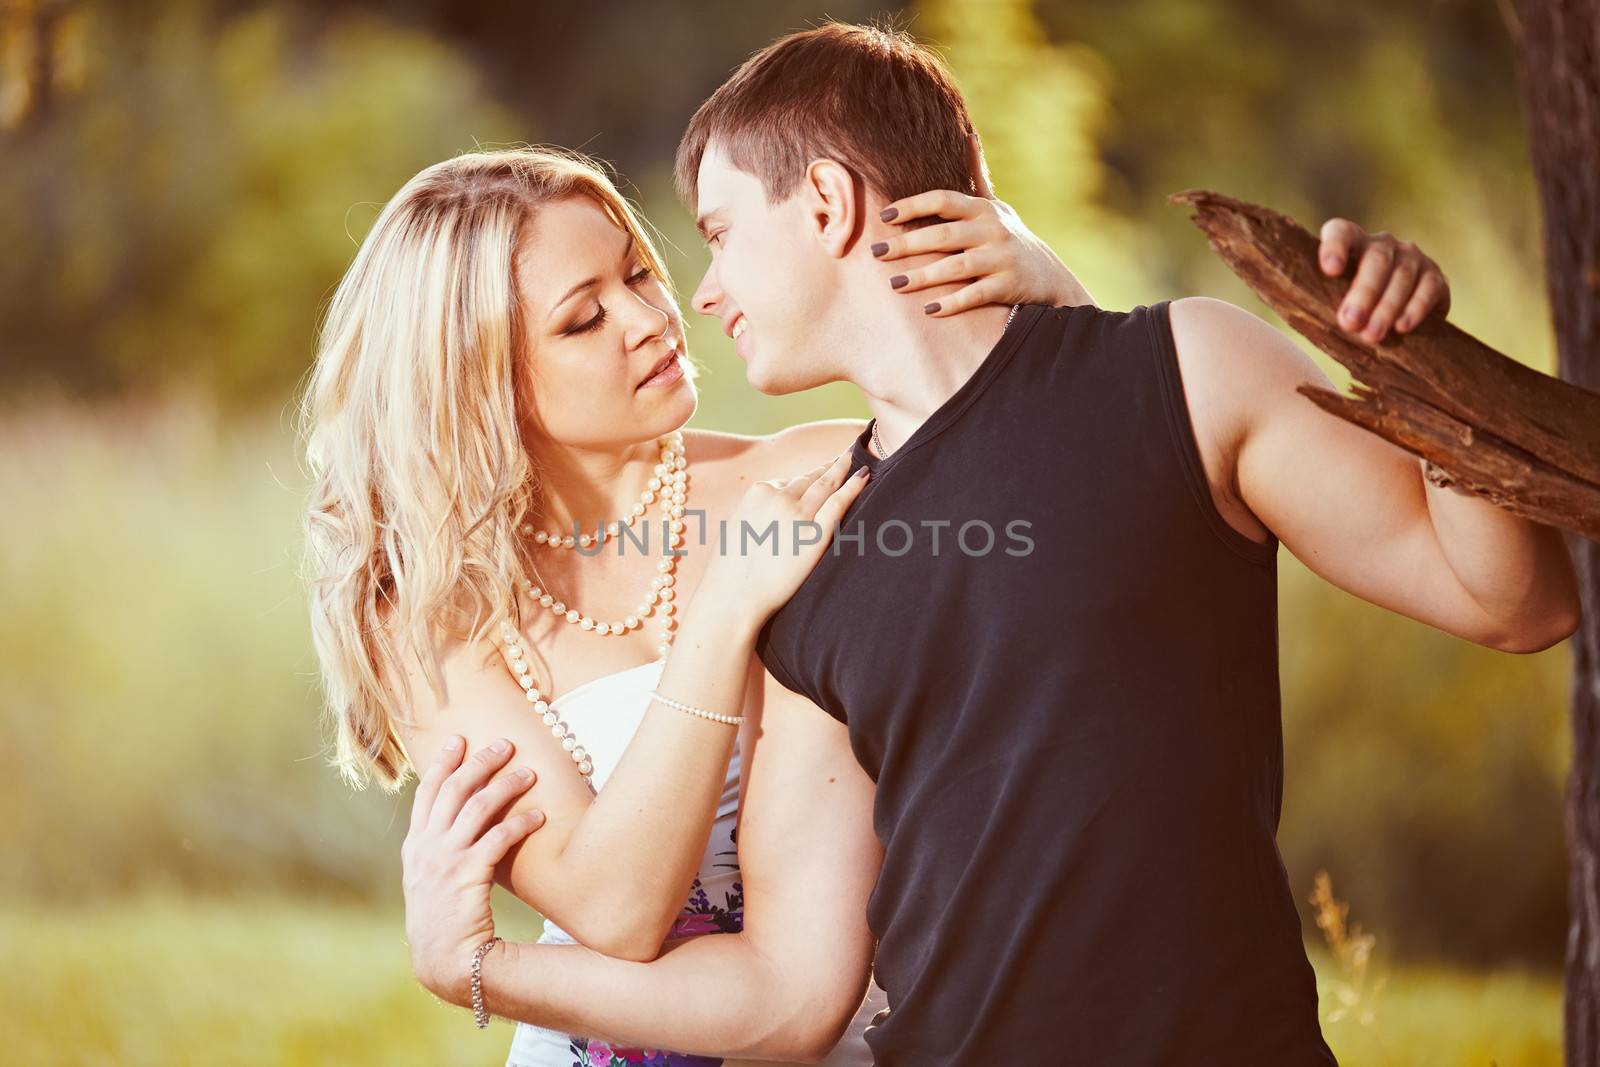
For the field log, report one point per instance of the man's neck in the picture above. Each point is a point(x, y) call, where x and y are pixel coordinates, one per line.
point(909, 363)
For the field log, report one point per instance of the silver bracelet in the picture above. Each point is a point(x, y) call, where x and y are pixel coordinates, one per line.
point(479, 1015)
point(731, 720)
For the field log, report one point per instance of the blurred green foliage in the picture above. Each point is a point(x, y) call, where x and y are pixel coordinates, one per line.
point(176, 215)
point(181, 218)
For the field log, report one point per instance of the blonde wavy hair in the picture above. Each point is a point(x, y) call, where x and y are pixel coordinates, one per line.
point(413, 426)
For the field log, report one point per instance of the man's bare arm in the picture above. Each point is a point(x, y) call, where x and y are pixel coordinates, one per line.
point(1356, 509)
point(788, 985)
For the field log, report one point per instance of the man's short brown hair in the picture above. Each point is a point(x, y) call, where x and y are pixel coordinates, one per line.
point(871, 97)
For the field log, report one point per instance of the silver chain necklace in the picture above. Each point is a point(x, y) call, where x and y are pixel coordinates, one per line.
point(878, 441)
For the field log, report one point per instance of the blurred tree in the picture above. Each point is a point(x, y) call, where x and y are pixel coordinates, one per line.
point(1560, 77)
point(182, 217)
point(41, 56)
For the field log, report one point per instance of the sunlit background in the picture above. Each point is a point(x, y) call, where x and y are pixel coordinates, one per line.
point(184, 880)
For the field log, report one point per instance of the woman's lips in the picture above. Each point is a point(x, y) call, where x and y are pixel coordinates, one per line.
point(672, 372)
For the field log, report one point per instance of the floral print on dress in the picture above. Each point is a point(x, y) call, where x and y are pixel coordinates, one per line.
point(699, 916)
point(589, 1052)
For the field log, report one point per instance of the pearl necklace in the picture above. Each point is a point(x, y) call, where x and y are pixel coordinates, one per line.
point(662, 479)
point(878, 441)
point(522, 671)
point(674, 491)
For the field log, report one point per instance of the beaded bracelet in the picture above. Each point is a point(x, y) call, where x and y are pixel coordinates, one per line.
point(731, 720)
point(479, 1015)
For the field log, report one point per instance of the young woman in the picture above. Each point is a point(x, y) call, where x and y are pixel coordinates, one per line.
point(512, 536)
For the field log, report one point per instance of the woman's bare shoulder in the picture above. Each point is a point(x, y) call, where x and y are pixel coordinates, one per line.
point(448, 652)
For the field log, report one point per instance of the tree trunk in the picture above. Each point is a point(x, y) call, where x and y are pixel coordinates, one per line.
point(1558, 59)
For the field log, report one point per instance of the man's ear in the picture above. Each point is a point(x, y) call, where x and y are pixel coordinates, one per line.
point(834, 197)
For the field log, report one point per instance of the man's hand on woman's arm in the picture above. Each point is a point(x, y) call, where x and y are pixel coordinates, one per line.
point(784, 988)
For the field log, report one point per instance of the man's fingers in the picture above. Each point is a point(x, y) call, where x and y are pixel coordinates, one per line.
point(447, 760)
point(1372, 277)
point(978, 167)
point(487, 803)
point(1425, 301)
point(1339, 238)
point(466, 780)
point(493, 846)
point(940, 203)
point(1401, 283)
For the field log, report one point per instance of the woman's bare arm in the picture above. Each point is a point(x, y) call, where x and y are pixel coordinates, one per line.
point(614, 869)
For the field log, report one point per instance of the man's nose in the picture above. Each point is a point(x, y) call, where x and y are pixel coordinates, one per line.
point(707, 295)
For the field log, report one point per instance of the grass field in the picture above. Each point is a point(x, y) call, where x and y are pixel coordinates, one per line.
point(166, 981)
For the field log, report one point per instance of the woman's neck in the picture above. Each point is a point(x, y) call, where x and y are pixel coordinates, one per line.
point(592, 487)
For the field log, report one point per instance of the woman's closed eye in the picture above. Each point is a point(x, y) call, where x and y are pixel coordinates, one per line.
point(600, 316)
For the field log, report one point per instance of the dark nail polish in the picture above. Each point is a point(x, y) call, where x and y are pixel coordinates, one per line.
point(880, 248)
point(889, 214)
point(898, 281)
point(930, 308)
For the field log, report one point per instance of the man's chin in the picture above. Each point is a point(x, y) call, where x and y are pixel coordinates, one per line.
point(763, 380)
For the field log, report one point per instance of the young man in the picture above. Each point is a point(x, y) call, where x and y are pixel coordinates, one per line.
point(1042, 661)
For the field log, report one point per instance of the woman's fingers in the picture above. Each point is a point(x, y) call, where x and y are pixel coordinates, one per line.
point(825, 484)
point(959, 267)
point(466, 780)
point(945, 237)
point(798, 487)
point(493, 846)
point(483, 806)
point(839, 501)
point(935, 203)
point(799, 482)
point(448, 759)
point(983, 291)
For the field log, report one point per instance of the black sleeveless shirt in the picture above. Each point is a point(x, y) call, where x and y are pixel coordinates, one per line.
point(1059, 663)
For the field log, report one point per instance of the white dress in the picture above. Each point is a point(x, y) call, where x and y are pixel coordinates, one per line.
point(603, 715)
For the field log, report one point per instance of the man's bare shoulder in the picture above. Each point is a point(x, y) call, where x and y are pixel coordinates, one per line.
point(1234, 368)
point(1217, 339)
